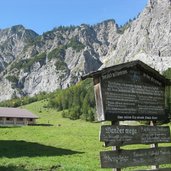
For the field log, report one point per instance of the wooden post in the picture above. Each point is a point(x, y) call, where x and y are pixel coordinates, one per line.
point(115, 148)
point(153, 123)
point(25, 121)
point(15, 121)
point(4, 121)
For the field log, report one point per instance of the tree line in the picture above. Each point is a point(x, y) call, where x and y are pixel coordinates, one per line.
point(76, 102)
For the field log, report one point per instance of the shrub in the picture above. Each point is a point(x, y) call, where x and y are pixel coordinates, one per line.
point(12, 78)
point(75, 44)
point(60, 65)
point(38, 58)
point(57, 53)
point(27, 63)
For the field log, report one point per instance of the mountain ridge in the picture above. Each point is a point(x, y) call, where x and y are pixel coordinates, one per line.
point(55, 59)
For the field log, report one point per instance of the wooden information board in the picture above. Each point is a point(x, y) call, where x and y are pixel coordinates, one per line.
point(124, 135)
point(141, 157)
point(132, 94)
point(130, 91)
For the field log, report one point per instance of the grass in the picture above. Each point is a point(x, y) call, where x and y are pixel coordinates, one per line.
point(66, 146)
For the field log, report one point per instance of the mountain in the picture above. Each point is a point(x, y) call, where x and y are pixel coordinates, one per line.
point(12, 42)
point(148, 38)
point(32, 63)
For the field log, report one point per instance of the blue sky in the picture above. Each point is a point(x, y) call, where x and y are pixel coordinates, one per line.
point(44, 15)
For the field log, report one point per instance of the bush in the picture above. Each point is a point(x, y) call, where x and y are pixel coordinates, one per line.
point(75, 44)
point(27, 63)
point(60, 65)
point(12, 78)
point(41, 58)
point(57, 53)
point(74, 112)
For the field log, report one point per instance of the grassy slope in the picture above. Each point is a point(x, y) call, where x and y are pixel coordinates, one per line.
point(72, 146)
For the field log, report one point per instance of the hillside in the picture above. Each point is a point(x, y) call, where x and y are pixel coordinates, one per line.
point(32, 63)
point(49, 148)
point(62, 147)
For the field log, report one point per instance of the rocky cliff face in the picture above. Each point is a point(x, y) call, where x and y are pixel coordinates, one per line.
point(148, 38)
point(32, 63)
point(12, 42)
point(56, 59)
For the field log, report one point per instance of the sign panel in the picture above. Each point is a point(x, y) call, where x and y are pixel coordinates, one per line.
point(128, 158)
point(125, 135)
point(132, 94)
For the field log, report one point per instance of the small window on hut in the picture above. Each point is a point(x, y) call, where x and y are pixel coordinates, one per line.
point(20, 119)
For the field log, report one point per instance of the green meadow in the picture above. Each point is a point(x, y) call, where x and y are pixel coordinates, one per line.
point(66, 145)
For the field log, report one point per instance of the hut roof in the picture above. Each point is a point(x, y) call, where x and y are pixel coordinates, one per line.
point(16, 113)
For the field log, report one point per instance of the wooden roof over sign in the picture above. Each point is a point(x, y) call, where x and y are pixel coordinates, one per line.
point(128, 65)
point(130, 91)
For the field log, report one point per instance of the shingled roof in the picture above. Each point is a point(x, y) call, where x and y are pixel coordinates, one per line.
point(126, 65)
point(16, 113)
